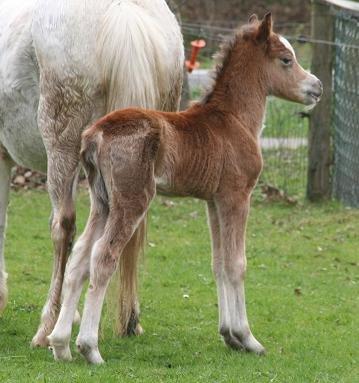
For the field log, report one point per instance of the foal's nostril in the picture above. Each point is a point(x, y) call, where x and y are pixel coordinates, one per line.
point(320, 85)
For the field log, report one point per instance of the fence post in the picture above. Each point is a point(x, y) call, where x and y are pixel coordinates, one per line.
point(319, 144)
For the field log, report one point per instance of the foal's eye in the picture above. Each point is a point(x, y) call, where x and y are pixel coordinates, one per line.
point(285, 61)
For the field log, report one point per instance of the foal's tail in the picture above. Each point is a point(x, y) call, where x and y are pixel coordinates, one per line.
point(89, 159)
point(128, 311)
point(124, 302)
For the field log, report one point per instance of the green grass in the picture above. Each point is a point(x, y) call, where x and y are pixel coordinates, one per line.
point(310, 336)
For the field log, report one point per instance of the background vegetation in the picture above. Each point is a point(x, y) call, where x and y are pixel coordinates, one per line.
point(214, 10)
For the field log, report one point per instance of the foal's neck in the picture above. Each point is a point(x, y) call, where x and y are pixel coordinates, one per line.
point(239, 88)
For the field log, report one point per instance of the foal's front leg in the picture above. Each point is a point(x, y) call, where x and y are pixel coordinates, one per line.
point(218, 271)
point(233, 211)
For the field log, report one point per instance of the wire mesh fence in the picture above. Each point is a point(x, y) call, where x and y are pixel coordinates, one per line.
point(346, 110)
point(284, 147)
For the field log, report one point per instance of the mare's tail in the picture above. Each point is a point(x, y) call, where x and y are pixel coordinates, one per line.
point(131, 51)
point(140, 53)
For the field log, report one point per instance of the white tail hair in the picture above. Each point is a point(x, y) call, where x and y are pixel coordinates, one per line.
point(131, 50)
point(140, 53)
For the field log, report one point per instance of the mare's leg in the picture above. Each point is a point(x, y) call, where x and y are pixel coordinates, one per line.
point(77, 270)
point(5, 170)
point(61, 119)
point(61, 188)
point(233, 211)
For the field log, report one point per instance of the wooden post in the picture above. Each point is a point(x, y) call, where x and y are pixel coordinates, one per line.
point(320, 152)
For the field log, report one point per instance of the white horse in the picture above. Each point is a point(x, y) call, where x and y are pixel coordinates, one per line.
point(63, 64)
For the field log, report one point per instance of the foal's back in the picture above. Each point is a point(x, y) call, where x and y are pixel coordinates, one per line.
point(189, 150)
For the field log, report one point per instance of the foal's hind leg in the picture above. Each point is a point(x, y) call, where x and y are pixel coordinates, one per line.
point(5, 168)
point(233, 212)
point(169, 103)
point(61, 119)
point(121, 224)
point(77, 270)
point(127, 168)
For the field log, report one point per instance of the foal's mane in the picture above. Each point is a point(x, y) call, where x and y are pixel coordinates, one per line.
point(222, 57)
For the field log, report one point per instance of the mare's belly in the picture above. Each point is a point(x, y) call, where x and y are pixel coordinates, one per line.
point(20, 136)
point(19, 86)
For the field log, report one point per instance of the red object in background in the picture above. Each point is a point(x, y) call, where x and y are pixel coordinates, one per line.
point(197, 45)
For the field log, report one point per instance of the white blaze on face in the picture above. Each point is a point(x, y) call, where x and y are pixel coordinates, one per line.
point(287, 44)
point(309, 87)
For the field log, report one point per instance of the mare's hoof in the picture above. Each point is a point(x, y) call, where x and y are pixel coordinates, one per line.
point(61, 353)
point(60, 348)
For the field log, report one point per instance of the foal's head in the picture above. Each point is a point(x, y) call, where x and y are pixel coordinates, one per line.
point(281, 72)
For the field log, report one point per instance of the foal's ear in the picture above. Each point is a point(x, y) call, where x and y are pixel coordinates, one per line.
point(253, 18)
point(265, 28)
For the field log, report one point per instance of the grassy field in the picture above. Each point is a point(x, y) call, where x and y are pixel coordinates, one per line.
point(302, 297)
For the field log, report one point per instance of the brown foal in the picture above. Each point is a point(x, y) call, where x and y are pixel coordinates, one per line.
point(210, 152)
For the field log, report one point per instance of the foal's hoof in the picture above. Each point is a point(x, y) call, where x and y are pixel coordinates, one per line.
point(138, 330)
point(240, 342)
point(133, 326)
point(40, 339)
point(230, 340)
point(89, 352)
point(249, 343)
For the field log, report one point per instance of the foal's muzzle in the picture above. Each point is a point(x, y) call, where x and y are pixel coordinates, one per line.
point(313, 90)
